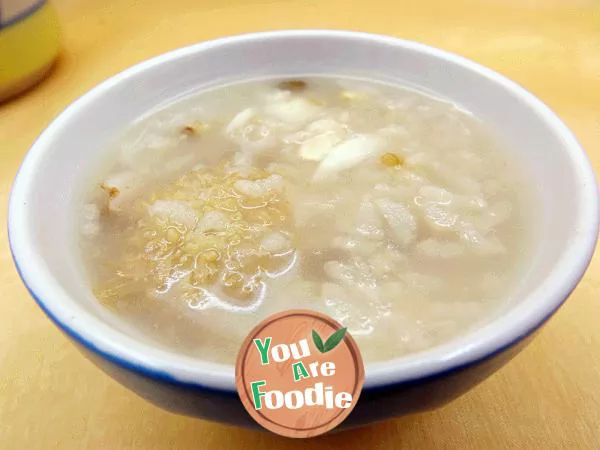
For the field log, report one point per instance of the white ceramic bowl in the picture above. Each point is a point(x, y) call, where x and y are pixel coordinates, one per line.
point(41, 213)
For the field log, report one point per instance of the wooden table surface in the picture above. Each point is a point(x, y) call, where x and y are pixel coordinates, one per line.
point(547, 398)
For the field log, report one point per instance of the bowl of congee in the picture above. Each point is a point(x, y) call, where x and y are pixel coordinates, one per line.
point(436, 209)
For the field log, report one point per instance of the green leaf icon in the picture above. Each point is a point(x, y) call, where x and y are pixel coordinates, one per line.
point(318, 341)
point(334, 340)
point(331, 343)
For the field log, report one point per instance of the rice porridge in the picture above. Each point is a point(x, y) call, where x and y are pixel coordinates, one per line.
point(394, 212)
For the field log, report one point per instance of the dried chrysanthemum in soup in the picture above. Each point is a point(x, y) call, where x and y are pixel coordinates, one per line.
point(392, 211)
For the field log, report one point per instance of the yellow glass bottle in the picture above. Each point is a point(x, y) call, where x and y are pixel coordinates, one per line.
point(29, 44)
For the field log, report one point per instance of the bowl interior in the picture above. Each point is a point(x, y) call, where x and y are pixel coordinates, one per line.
point(49, 183)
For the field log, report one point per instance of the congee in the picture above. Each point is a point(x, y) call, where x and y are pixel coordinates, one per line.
point(393, 211)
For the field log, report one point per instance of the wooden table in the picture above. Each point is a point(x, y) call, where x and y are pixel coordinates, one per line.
point(548, 397)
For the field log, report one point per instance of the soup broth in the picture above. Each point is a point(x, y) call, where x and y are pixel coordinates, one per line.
point(394, 212)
